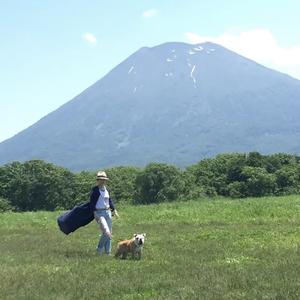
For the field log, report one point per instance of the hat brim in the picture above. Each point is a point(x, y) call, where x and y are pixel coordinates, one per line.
point(103, 178)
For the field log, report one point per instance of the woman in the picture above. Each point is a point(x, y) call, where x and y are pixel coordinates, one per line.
point(103, 207)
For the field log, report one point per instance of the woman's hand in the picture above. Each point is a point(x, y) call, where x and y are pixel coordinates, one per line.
point(108, 233)
point(115, 213)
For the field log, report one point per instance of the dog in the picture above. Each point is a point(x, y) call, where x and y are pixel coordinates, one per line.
point(133, 246)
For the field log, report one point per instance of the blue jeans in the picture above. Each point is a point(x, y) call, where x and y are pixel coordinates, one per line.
point(103, 218)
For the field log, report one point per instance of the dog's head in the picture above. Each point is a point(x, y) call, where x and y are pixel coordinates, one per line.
point(139, 238)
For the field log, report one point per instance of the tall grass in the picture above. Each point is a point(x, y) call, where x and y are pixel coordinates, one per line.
point(220, 249)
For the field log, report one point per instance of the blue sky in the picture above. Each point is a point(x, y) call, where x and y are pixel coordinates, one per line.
point(50, 51)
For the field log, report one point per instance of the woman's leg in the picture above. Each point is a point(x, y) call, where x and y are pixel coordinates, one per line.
point(109, 225)
point(101, 243)
point(105, 222)
point(101, 220)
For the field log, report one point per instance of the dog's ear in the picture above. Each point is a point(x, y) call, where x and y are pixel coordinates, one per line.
point(135, 235)
point(144, 234)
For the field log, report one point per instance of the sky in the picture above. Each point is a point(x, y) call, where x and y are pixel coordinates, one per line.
point(50, 51)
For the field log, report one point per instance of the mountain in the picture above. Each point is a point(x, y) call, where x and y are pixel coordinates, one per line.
point(176, 103)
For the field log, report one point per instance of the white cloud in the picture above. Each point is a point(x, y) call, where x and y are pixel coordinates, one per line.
point(90, 38)
point(149, 13)
point(259, 45)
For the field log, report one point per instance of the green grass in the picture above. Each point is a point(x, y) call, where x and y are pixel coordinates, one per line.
point(217, 249)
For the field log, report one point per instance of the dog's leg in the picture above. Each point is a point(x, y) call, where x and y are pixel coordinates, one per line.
point(124, 255)
point(139, 255)
point(118, 252)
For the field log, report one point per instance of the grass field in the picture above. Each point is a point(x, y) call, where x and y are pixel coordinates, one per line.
point(210, 249)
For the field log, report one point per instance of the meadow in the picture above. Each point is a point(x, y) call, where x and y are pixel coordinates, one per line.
point(206, 249)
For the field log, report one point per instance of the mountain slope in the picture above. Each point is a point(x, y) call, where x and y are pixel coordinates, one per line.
point(175, 103)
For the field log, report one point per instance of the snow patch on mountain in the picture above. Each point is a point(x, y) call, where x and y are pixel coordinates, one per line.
point(98, 126)
point(210, 50)
point(199, 48)
point(168, 74)
point(192, 76)
point(130, 70)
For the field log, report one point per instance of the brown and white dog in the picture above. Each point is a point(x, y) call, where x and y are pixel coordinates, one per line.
point(133, 246)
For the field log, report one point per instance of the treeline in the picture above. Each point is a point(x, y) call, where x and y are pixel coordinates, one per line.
point(37, 185)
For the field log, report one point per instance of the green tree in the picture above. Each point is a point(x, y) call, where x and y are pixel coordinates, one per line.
point(122, 183)
point(277, 161)
point(237, 189)
point(84, 181)
point(213, 176)
point(288, 179)
point(258, 182)
point(5, 205)
point(158, 182)
point(36, 185)
point(255, 159)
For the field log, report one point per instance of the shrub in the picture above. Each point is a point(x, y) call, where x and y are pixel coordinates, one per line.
point(237, 189)
point(122, 183)
point(5, 205)
point(258, 182)
point(198, 192)
point(36, 185)
point(158, 183)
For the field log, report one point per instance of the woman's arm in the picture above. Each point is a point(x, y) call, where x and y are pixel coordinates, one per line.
point(112, 208)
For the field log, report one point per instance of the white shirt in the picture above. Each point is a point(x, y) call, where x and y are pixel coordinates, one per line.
point(103, 200)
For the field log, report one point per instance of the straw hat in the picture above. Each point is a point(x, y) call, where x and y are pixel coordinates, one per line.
point(102, 175)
